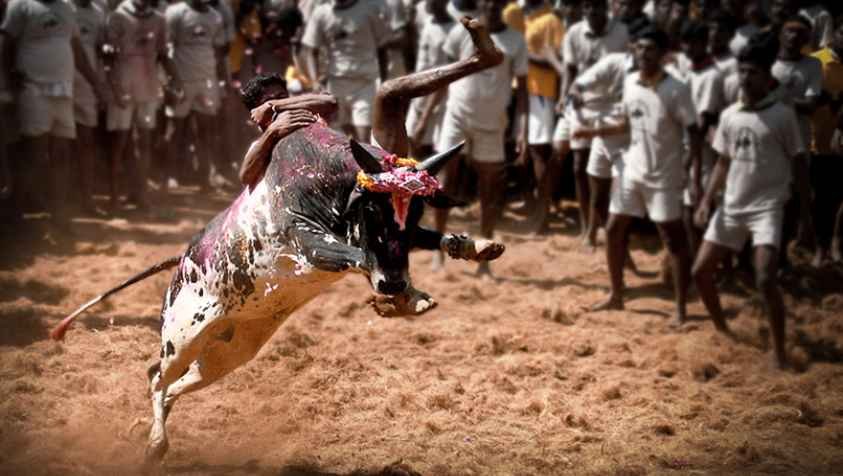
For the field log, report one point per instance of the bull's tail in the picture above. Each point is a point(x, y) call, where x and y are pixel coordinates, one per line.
point(61, 329)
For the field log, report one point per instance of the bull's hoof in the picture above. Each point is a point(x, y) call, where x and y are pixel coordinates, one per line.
point(463, 247)
point(410, 303)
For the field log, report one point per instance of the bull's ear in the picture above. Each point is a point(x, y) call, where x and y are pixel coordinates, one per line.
point(435, 163)
point(367, 162)
point(442, 200)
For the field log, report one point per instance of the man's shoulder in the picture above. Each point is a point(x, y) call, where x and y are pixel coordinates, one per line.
point(729, 113)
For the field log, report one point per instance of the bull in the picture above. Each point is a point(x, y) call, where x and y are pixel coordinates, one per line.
point(326, 207)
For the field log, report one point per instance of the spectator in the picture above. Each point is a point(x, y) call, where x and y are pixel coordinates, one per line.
point(137, 34)
point(827, 163)
point(424, 120)
point(476, 113)
point(91, 20)
point(196, 34)
point(721, 30)
point(585, 43)
point(760, 134)
point(43, 50)
point(659, 111)
point(354, 35)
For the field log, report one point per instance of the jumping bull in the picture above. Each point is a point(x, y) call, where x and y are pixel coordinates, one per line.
point(325, 207)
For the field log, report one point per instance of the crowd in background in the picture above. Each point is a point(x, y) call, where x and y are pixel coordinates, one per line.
point(648, 105)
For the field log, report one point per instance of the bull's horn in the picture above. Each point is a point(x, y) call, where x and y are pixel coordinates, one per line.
point(434, 164)
point(364, 159)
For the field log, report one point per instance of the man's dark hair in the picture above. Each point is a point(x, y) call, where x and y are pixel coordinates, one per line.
point(799, 18)
point(693, 31)
point(656, 35)
point(253, 92)
point(761, 49)
point(724, 20)
point(636, 26)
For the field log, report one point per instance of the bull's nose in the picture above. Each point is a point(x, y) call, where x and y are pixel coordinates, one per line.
point(391, 287)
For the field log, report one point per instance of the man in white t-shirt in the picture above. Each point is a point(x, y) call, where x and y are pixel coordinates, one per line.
point(353, 34)
point(424, 120)
point(659, 112)
point(137, 36)
point(705, 79)
point(43, 47)
point(721, 30)
point(86, 108)
point(584, 44)
point(760, 144)
point(196, 34)
point(476, 113)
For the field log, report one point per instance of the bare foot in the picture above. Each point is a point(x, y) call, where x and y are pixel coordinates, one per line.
point(613, 303)
point(836, 251)
point(487, 53)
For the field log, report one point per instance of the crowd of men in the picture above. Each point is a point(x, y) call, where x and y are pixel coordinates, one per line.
point(719, 120)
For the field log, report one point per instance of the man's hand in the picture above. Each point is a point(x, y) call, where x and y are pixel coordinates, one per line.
point(695, 191)
point(702, 215)
point(583, 133)
point(522, 148)
point(290, 121)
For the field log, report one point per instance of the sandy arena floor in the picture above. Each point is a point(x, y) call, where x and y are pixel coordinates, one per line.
point(508, 377)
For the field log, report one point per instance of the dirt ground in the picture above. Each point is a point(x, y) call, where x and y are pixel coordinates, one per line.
point(508, 377)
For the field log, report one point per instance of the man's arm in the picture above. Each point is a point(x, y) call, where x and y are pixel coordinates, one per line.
point(715, 184)
point(383, 62)
point(84, 67)
point(323, 104)
point(806, 224)
point(311, 68)
point(260, 153)
point(695, 146)
point(522, 111)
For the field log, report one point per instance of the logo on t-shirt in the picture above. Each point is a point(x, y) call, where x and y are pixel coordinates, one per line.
point(50, 21)
point(745, 144)
point(199, 31)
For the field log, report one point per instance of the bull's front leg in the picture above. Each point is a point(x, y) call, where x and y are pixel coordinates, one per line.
point(324, 252)
point(458, 246)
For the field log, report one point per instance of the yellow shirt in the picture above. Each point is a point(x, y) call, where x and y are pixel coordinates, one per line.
point(250, 28)
point(543, 30)
point(513, 16)
point(824, 121)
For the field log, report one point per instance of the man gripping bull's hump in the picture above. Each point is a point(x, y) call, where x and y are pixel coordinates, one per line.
point(316, 208)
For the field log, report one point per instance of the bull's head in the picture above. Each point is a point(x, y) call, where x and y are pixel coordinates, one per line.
point(385, 207)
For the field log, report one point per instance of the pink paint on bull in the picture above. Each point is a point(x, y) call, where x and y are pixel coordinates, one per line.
point(402, 181)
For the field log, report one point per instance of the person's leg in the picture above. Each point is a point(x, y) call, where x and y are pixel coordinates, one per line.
point(693, 233)
point(85, 151)
point(765, 260)
point(673, 236)
point(600, 188)
point(393, 97)
point(837, 236)
point(543, 170)
point(60, 148)
point(582, 190)
point(204, 144)
point(33, 170)
point(616, 232)
point(450, 184)
point(824, 190)
point(705, 266)
point(178, 153)
point(491, 179)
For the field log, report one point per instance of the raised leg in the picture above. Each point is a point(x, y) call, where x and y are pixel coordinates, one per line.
point(392, 100)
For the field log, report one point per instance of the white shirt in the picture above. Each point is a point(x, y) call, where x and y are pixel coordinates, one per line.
point(761, 145)
point(658, 117)
point(194, 36)
point(349, 37)
point(480, 100)
point(582, 48)
point(802, 79)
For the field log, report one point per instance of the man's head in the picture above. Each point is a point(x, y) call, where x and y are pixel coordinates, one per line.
point(650, 48)
point(437, 8)
point(596, 13)
point(781, 10)
point(721, 29)
point(491, 11)
point(837, 37)
point(755, 64)
point(200, 5)
point(143, 6)
point(263, 88)
point(629, 10)
point(795, 33)
point(570, 10)
point(343, 4)
point(694, 40)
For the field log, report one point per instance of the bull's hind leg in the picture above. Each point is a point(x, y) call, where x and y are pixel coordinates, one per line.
point(393, 98)
point(230, 345)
